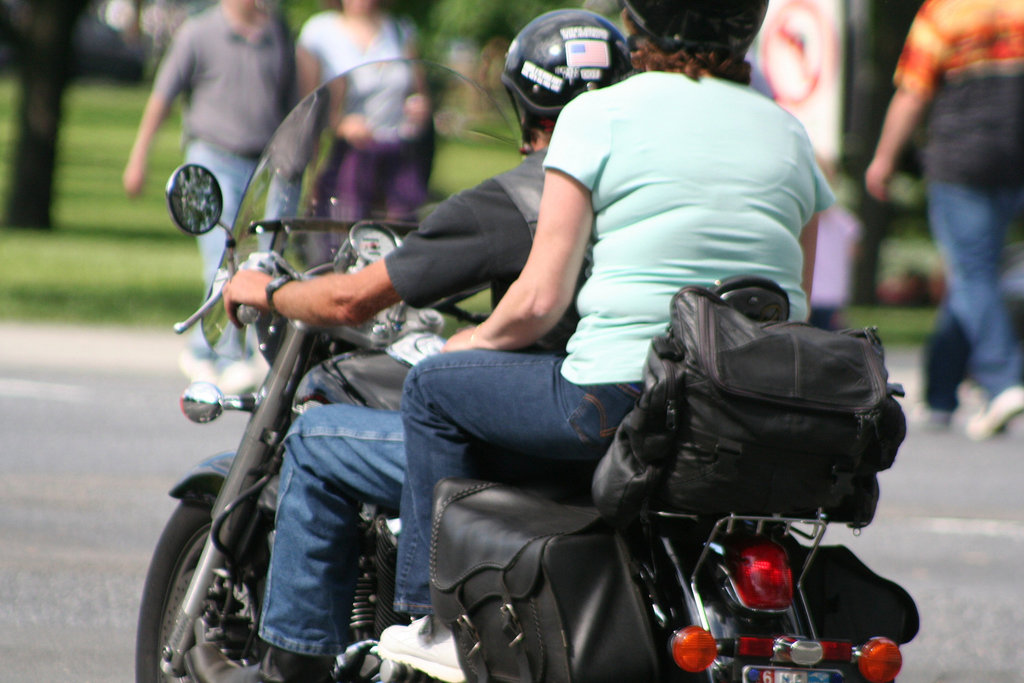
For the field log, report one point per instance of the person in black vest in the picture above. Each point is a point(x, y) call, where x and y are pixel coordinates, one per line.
point(337, 455)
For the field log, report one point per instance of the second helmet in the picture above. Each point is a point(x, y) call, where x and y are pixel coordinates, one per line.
point(560, 54)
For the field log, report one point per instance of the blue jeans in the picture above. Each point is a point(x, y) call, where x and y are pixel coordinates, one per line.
point(232, 173)
point(335, 457)
point(945, 362)
point(492, 415)
point(970, 226)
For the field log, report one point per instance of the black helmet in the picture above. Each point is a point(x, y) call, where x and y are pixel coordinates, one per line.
point(699, 24)
point(557, 56)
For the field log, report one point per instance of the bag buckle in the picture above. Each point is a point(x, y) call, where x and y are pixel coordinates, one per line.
point(466, 625)
point(511, 626)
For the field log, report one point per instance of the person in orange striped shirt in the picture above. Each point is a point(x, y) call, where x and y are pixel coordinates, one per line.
point(963, 66)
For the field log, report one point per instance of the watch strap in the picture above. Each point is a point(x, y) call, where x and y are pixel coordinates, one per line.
point(272, 288)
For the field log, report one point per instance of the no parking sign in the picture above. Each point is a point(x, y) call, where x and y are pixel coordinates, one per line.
point(800, 52)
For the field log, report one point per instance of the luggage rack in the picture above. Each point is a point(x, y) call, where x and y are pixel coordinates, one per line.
point(809, 528)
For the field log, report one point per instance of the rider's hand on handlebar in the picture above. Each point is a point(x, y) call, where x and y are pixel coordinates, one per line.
point(246, 288)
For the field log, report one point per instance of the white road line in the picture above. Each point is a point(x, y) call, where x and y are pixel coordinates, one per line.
point(49, 391)
point(962, 526)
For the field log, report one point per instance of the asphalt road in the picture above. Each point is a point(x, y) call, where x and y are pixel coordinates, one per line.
point(91, 440)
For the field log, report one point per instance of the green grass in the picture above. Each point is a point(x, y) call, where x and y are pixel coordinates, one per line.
point(109, 259)
point(897, 325)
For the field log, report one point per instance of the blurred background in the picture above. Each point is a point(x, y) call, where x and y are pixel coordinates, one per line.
point(74, 75)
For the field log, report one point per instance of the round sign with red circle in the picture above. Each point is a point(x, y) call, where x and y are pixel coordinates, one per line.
point(799, 49)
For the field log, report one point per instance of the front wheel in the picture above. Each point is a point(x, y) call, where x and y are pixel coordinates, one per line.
point(174, 560)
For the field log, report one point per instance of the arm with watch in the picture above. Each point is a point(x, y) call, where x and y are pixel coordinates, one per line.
point(332, 299)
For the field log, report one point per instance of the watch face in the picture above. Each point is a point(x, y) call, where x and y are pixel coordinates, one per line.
point(372, 242)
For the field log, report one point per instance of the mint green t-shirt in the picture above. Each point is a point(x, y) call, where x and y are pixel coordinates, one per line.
point(691, 182)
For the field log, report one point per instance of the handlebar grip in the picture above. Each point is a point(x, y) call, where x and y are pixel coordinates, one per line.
point(247, 315)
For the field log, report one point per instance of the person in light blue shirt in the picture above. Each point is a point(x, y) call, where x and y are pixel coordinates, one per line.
point(679, 175)
point(702, 194)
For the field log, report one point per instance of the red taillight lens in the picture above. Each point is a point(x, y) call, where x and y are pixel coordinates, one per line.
point(755, 647)
point(879, 660)
point(837, 650)
point(760, 573)
point(693, 649)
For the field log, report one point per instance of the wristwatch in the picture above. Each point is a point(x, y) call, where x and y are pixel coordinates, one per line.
point(272, 287)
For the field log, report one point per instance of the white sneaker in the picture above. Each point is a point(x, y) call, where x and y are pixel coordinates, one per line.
point(242, 375)
point(424, 645)
point(997, 414)
point(197, 369)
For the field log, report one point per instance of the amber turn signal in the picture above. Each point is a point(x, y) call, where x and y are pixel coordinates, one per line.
point(879, 660)
point(693, 649)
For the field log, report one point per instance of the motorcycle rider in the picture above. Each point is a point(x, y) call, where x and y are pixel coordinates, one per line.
point(338, 455)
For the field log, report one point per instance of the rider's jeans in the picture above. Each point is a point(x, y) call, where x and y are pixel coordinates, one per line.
point(535, 422)
point(970, 226)
point(336, 455)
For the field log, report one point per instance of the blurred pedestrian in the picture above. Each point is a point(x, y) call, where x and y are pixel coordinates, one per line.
point(385, 108)
point(234, 63)
point(838, 235)
point(964, 61)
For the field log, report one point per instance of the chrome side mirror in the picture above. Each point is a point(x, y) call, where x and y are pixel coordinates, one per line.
point(194, 199)
point(202, 402)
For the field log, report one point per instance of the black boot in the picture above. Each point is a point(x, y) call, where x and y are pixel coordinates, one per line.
point(207, 664)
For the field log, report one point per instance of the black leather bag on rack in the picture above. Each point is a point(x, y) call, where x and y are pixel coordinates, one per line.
point(751, 417)
point(534, 590)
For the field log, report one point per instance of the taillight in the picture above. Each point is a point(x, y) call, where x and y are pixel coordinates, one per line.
point(693, 649)
point(879, 660)
point(767, 648)
point(760, 573)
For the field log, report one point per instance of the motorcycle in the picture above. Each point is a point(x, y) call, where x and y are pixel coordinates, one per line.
point(726, 596)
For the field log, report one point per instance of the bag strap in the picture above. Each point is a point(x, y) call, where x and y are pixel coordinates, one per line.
point(517, 642)
point(475, 656)
point(513, 630)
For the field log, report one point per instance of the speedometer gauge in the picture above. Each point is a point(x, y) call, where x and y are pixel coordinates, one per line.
point(372, 242)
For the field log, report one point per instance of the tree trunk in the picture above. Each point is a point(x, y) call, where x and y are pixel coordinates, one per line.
point(44, 68)
point(883, 32)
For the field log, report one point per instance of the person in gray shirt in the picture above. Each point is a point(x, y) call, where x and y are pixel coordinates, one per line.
point(234, 63)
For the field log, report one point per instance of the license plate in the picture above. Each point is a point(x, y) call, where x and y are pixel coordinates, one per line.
point(758, 674)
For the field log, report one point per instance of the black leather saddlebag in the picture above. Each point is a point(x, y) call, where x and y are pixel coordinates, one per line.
point(535, 590)
point(753, 417)
point(847, 600)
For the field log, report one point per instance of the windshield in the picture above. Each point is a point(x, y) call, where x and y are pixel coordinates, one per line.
point(387, 142)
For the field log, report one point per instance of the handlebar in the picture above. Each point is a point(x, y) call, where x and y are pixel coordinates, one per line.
point(216, 294)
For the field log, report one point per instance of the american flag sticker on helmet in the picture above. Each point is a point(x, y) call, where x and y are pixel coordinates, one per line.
point(587, 53)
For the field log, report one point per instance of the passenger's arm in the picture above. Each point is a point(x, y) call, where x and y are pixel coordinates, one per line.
point(327, 300)
point(536, 301)
point(809, 244)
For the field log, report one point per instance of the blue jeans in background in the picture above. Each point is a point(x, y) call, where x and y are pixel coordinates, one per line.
point(335, 457)
point(493, 415)
point(945, 362)
point(232, 173)
point(970, 226)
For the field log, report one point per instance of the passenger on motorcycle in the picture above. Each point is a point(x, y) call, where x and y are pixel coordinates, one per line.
point(679, 175)
point(337, 456)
